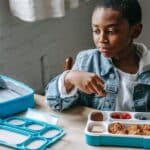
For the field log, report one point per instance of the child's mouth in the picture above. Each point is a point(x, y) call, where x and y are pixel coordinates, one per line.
point(104, 50)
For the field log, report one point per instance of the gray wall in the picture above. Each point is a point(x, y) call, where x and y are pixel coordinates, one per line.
point(35, 52)
point(24, 45)
point(145, 36)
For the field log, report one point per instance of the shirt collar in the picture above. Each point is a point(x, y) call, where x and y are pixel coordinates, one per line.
point(142, 52)
point(144, 55)
point(106, 64)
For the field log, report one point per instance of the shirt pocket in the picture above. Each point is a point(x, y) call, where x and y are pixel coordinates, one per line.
point(98, 102)
point(103, 103)
point(91, 100)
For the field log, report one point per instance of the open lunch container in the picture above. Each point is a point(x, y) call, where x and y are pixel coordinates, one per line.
point(15, 96)
point(128, 129)
point(18, 132)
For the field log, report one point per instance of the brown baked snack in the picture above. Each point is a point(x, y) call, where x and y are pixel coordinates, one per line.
point(115, 128)
point(145, 127)
point(146, 132)
point(123, 131)
point(134, 129)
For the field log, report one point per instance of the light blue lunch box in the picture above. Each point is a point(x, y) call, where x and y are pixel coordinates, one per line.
point(98, 132)
point(23, 133)
point(15, 96)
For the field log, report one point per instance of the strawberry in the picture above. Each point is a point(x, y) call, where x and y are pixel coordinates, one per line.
point(115, 115)
point(125, 116)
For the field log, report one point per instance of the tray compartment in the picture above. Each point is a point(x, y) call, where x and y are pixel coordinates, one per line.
point(142, 116)
point(121, 115)
point(97, 116)
point(35, 143)
point(17, 136)
point(96, 128)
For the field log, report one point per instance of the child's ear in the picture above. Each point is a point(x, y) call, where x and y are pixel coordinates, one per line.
point(137, 29)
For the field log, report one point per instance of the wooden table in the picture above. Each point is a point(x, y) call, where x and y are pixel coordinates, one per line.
point(73, 121)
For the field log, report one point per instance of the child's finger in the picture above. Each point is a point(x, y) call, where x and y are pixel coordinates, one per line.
point(98, 87)
point(99, 81)
point(91, 88)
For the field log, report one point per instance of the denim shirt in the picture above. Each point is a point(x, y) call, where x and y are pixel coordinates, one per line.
point(93, 61)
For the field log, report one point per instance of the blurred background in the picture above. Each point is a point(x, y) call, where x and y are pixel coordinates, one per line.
point(34, 52)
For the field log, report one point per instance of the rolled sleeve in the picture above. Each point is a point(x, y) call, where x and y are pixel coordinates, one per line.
point(62, 89)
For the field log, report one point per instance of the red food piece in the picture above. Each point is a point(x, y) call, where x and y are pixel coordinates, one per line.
point(125, 116)
point(115, 115)
point(118, 115)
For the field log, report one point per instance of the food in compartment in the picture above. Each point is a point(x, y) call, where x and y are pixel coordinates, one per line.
point(123, 131)
point(115, 115)
point(134, 129)
point(115, 128)
point(97, 129)
point(146, 129)
point(146, 132)
point(130, 129)
point(96, 116)
point(120, 115)
point(142, 116)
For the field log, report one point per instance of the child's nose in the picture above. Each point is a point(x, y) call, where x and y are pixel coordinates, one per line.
point(103, 38)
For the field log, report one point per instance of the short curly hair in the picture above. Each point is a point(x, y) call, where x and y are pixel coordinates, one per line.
point(130, 9)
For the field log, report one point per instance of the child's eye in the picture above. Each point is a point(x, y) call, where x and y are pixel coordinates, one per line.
point(96, 31)
point(112, 31)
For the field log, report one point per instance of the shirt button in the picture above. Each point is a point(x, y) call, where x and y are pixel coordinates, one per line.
point(111, 76)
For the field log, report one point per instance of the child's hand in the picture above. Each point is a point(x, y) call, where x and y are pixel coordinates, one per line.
point(85, 81)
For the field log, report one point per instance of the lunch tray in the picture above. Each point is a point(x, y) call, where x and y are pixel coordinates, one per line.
point(27, 134)
point(128, 129)
point(15, 97)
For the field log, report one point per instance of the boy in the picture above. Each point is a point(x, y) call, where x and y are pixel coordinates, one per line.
point(115, 75)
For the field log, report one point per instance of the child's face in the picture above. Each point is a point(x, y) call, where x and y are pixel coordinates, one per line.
point(112, 34)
